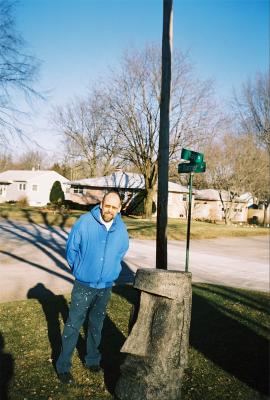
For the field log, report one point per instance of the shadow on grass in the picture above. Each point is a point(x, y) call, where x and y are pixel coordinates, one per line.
point(113, 339)
point(6, 369)
point(250, 299)
point(230, 344)
point(54, 308)
point(111, 343)
point(222, 338)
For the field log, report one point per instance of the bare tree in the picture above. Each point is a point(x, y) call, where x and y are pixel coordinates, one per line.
point(18, 71)
point(87, 137)
point(237, 165)
point(31, 159)
point(134, 98)
point(253, 108)
point(5, 162)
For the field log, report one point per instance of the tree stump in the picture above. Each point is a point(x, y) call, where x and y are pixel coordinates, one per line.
point(157, 347)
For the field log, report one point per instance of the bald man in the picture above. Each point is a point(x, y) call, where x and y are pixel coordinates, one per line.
point(95, 248)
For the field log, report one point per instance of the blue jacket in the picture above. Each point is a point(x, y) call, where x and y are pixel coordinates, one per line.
point(95, 254)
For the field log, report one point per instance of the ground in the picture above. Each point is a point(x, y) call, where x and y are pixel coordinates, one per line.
point(229, 334)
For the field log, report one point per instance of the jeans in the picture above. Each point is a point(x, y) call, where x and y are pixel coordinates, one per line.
point(83, 298)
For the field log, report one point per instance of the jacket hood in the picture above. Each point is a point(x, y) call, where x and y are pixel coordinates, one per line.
point(96, 214)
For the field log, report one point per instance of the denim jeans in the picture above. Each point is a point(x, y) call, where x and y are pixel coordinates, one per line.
point(83, 298)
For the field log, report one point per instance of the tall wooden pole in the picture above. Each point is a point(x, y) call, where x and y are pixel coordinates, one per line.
point(163, 152)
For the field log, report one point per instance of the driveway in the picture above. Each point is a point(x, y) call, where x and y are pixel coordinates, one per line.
point(32, 254)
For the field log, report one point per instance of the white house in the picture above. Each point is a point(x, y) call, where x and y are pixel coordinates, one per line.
point(34, 185)
point(208, 205)
point(91, 191)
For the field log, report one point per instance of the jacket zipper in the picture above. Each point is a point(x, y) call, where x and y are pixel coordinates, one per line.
point(103, 255)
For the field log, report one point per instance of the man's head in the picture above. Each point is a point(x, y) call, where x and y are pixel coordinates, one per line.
point(110, 206)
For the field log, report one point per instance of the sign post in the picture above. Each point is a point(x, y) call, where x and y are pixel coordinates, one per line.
point(196, 164)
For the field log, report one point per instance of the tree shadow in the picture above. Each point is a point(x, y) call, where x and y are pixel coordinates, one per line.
point(216, 333)
point(230, 344)
point(6, 370)
point(251, 299)
point(49, 271)
point(41, 238)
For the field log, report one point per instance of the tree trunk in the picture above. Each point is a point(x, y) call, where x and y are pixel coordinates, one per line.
point(148, 203)
point(265, 212)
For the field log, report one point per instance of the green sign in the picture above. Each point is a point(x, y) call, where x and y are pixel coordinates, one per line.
point(196, 162)
point(192, 156)
point(186, 168)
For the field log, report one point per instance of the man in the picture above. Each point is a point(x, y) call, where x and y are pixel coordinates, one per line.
point(95, 248)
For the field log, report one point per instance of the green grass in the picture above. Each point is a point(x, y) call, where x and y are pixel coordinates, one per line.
point(140, 229)
point(137, 227)
point(228, 356)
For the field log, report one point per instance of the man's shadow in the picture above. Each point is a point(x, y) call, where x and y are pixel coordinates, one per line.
point(54, 308)
point(6, 370)
point(113, 339)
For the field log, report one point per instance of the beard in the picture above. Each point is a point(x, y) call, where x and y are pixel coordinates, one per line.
point(107, 217)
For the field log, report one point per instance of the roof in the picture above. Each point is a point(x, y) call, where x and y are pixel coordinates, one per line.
point(207, 194)
point(23, 175)
point(213, 195)
point(123, 180)
point(175, 187)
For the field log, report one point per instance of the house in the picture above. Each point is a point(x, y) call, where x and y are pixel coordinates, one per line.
point(208, 206)
point(92, 190)
point(177, 200)
point(34, 185)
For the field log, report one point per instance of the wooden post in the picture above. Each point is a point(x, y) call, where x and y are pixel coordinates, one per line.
point(163, 152)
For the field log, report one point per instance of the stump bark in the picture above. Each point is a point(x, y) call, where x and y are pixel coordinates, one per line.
point(157, 346)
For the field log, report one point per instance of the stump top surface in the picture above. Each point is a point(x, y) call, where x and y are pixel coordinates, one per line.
point(171, 284)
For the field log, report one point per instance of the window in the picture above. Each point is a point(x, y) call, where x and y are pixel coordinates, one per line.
point(34, 188)
point(2, 190)
point(78, 189)
point(184, 197)
point(22, 186)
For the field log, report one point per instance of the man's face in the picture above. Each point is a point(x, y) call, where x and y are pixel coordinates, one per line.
point(110, 206)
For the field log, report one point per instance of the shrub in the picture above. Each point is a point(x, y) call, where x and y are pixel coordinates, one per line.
point(57, 196)
point(23, 201)
point(71, 205)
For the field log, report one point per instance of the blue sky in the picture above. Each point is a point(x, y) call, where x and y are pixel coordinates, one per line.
point(77, 40)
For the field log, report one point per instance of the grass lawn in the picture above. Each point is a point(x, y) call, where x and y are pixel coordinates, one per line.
point(228, 356)
point(137, 227)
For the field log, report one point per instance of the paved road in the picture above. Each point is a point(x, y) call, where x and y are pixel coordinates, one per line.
point(31, 254)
